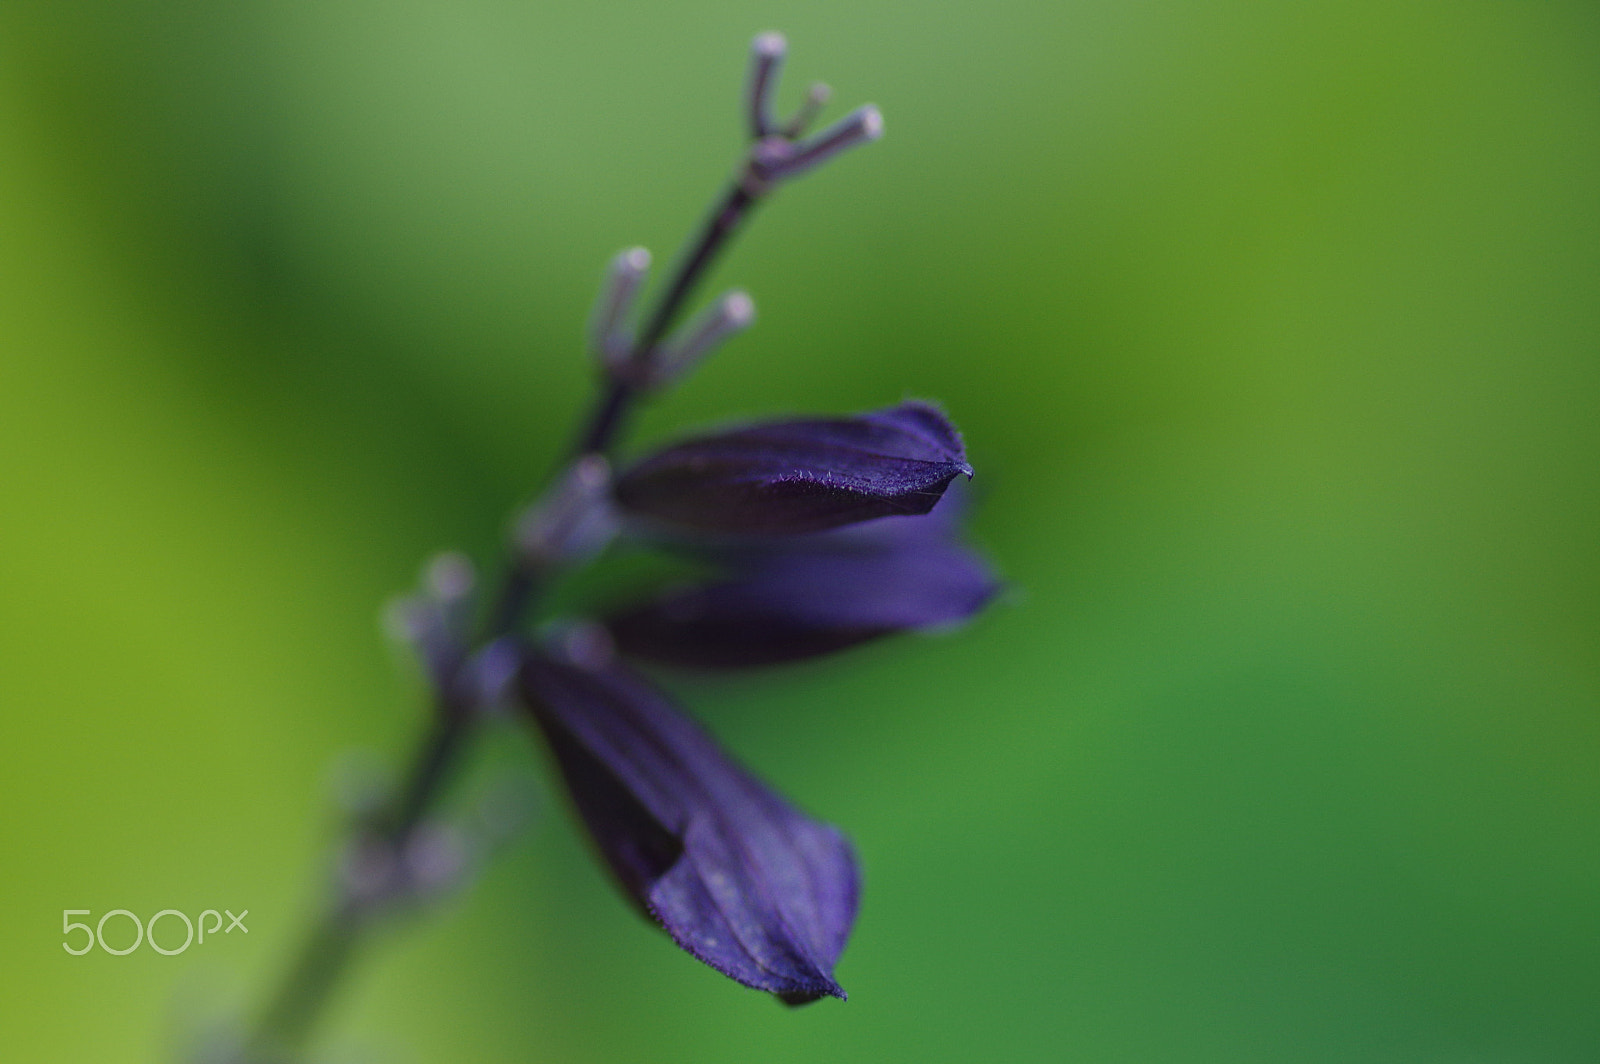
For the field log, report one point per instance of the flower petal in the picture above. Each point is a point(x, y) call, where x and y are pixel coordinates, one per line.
point(737, 876)
point(824, 593)
point(785, 477)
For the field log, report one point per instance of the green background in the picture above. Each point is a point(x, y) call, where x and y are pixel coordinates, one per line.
point(1272, 330)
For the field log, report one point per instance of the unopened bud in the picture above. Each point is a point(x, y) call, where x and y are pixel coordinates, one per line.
point(434, 859)
point(572, 522)
point(766, 58)
point(816, 98)
point(450, 577)
point(609, 330)
point(731, 314)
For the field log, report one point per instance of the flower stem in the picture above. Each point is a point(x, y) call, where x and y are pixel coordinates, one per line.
point(718, 230)
point(308, 989)
point(429, 772)
point(305, 993)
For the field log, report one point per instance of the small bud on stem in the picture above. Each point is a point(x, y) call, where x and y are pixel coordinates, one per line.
point(766, 59)
point(572, 522)
point(731, 314)
point(816, 99)
point(609, 330)
point(640, 363)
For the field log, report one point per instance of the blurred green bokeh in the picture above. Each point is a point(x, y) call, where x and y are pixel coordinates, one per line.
point(1273, 332)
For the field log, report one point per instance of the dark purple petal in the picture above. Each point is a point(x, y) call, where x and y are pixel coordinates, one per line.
point(736, 875)
point(831, 593)
point(787, 477)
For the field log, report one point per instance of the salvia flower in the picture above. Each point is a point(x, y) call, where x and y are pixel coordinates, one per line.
point(785, 477)
point(737, 876)
point(813, 535)
point(820, 534)
point(809, 535)
point(773, 600)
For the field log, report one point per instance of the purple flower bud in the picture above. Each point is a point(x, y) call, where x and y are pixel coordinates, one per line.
point(809, 595)
point(609, 326)
point(785, 477)
point(737, 876)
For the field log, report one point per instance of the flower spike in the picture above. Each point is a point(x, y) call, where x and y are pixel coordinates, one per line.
point(788, 525)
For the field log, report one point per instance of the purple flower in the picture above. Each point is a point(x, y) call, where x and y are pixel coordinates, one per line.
point(735, 874)
point(815, 534)
point(799, 597)
point(787, 477)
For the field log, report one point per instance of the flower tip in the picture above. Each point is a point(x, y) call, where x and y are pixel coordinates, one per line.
point(450, 576)
point(769, 45)
point(871, 122)
point(609, 324)
point(796, 998)
point(738, 309)
point(634, 260)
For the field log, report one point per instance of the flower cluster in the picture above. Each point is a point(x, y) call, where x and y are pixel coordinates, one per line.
point(808, 535)
point(821, 537)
